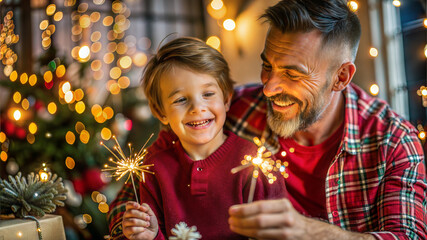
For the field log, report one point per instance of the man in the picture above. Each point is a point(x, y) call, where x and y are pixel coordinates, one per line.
point(356, 169)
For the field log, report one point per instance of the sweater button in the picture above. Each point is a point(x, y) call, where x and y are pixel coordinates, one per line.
point(199, 169)
point(335, 213)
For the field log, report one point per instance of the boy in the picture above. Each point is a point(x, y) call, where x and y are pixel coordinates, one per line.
point(189, 89)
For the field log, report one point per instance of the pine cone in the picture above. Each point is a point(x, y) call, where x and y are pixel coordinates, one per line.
point(31, 196)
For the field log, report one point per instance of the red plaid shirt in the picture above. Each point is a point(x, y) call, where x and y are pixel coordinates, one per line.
point(375, 184)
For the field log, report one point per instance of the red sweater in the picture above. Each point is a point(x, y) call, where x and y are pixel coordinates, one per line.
point(199, 193)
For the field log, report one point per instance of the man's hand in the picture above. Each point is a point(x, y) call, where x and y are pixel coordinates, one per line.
point(139, 222)
point(277, 219)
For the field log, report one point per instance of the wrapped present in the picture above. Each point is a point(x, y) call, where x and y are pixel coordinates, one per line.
point(51, 227)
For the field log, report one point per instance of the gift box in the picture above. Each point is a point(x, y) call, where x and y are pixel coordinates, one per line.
point(51, 226)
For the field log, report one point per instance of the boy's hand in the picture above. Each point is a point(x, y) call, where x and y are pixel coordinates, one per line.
point(139, 222)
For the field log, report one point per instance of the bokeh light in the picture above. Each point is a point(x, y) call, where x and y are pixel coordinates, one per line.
point(374, 89)
point(229, 25)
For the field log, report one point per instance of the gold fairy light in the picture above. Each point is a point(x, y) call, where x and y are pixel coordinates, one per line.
point(133, 164)
point(262, 161)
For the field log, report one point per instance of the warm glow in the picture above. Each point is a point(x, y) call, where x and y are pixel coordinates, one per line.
point(23, 78)
point(424, 92)
point(106, 133)
point(111, 47)
point(66, 87)
point(96, 65)
point(69, 97)
point(3, 156)
point(84, 21)
point(96, 109)
point(108, 58)
point(217, 4)
point(95, 16)
point(425, 50)
point(79, 127)
point(140, 59)
point(60, 71)
point(422, 135)
point(80, 107)
point(396, 3)
point(50, 10)
point(2, 137)
point(31, 138)
point(17, 115)
point(13, 76)
point(125, 62)
point(373, 52)
point(374, 89)
point(84, 136)
point(47, 76)
point(95, 36)
point(43, 24)
point(70, 163)
point(32, 80)
point(87, 218)
point(82, 7)
point(115, 72)
point(43, 176)
point(353, 5)
point(32, 128)
point(79, 94)
point(84, 52)
point(108, 20)
point(114, 89)
point(229, 25)
point(425, 22)
point(214, 42)
point(17, 97)
point(123, 82)
point(70, 137)
point(51, 108)
point(96, 47)
point(58, 16)
point(25, 104)
point(216, 13)
point(103, 207)
point(109, 112)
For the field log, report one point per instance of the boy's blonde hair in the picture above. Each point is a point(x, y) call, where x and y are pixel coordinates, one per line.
point(192, 54)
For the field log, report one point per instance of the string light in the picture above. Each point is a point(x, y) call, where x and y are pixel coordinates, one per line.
point(425, 22)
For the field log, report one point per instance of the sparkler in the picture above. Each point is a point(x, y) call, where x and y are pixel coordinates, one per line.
point(132, 164)
point(262, 161)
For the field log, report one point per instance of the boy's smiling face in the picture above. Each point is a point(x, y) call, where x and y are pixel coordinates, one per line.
point(193, 106)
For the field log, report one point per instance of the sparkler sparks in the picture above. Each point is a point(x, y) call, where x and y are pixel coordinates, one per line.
point(262, 161)
point(133, 164)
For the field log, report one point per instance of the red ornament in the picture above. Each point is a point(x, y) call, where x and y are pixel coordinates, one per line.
point(38, 105)
point(48, 85)
point(9, 128)
point(20, 133)
point(93, 179)
point(79, 186)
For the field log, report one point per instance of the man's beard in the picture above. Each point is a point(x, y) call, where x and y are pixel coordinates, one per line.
point(305, 118)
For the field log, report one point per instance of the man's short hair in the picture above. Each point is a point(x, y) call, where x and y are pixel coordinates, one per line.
point(333, 18)
point(192, 54)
